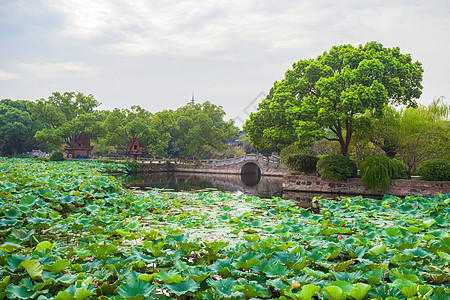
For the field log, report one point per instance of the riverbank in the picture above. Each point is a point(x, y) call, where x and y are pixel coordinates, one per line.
point(354, 186)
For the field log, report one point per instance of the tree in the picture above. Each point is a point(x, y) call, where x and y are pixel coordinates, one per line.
point(16, 125)
point(65, 116)
point(199, 130)
point(136, 124)
point(332, 92)
point(416, 134)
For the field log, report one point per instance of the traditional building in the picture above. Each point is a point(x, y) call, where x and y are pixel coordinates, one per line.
point(80, 146)
point(135, 147)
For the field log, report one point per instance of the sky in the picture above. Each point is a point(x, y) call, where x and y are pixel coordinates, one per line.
point(157, 53)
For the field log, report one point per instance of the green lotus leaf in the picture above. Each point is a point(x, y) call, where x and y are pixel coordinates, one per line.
point(21, 235)
point(360, 291)
point(67, 199)
point(138, 256)
point(247, 264)
point(425, 291)
point(215, 246)
point(170, 277)
point(41, 285)
point(223, 287)
point(67, 279)
point(345, 286)
point(377, 250)
point(306, 293)
point(45, 245)
point(103, 251)
point(156, 250)
point(13, 213)
point(414, 229)
point(197, 275)
point(411, 291)
point(276, 270)
point(251, 238)
point(13, 261)
point(28, 200)
point(251, 290)
point(335, 292)
point(278, 284)
point(135, 288)
point(444, 255)
point(21, 292)
point(182, 288)
point(147, 277)
point(4, 282)
point(392, 232)
point(57, 266)
point(418, 252)
point(315, 273)
point(440, 294)
point(33, 267)
point(428, 223)
point(401, 283)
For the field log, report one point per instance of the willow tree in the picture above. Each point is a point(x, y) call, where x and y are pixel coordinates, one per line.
point(326, 97)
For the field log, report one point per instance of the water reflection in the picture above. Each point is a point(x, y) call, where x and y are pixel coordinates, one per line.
point(249, 184)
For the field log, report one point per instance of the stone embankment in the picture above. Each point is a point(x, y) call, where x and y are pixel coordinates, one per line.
point(353, 186)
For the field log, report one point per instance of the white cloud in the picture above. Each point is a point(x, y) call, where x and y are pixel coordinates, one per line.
point(57, 70)
point(4, 75)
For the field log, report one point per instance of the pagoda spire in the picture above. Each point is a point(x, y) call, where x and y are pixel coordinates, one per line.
point(192, 100)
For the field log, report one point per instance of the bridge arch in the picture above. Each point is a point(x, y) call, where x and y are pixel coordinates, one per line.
point(250, 174)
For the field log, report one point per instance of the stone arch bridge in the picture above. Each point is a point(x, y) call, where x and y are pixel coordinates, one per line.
point(249, 164)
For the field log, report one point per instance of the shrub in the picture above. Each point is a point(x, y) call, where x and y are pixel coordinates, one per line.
point(376, 172)
point(133, 166)
point(289, 151)
point(399, 169)
point(57, 156)
point(336, 167)
point(435, 170)
point(305, 163)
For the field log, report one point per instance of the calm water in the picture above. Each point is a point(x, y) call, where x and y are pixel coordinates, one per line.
point(261, 186)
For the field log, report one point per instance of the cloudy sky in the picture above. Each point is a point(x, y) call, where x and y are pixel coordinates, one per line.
point(155, 53)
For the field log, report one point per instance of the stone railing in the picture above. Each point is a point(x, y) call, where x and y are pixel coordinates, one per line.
point(273, 161)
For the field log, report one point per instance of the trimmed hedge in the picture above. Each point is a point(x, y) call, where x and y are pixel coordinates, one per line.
point(399, 169)
point(56, 156)
point(435, 170)
point(336, 167)
point(305, 163)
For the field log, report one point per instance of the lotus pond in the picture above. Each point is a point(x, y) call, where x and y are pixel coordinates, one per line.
point(70, 231)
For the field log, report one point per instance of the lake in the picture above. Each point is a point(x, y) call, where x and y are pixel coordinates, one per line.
point(255, 185)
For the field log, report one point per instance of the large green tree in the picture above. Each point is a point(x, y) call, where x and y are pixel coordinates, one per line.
point(16, 126)
point(199, 130)
point(64, 116)
point(123, 126)
point(331, 93)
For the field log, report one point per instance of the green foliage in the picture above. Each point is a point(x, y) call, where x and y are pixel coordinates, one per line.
point(56, 156)
point(69, 232)
point(198, 130)
point(399, 169)
point(376, 172)
point(414, 134)
point(336, 167)
point(64, 116)
point(17, 128)
point(331, 93)
point(305, 163)
point(133, 166)
point(290, 150)
point(435, 170)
